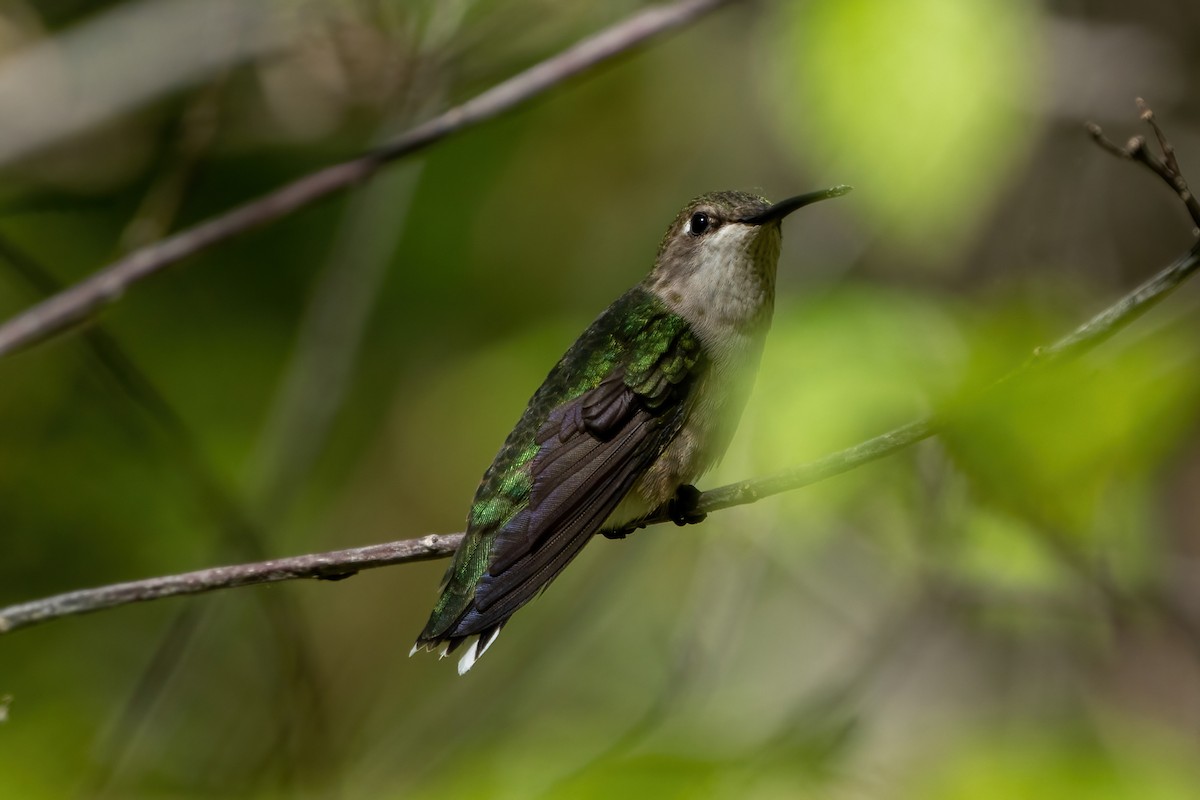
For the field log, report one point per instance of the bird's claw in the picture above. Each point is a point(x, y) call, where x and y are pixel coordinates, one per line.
point(682, 507)
point(622, 532)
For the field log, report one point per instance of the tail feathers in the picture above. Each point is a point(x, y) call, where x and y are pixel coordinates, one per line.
point(448, 646)
point(478, 648)
point(473, 652)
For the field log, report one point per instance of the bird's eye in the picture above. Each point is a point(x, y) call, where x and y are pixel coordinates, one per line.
point(699, 223)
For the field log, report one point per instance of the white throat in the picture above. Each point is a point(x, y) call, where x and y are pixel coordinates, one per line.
point(728, 291)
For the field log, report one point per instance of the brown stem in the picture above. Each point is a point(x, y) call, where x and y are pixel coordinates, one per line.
point(1166, 168)
point(330, 566)
point(105, 286)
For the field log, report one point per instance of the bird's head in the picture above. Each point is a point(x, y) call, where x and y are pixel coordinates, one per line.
point(721, 252)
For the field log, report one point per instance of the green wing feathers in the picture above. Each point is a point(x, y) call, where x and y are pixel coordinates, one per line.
point(604, 413)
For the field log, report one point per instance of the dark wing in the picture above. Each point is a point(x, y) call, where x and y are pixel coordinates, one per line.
point(592, 450)
point(570, 461)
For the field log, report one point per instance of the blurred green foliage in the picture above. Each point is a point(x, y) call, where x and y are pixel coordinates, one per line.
point(995, 613)
point(920, 100)
point(1063, 766)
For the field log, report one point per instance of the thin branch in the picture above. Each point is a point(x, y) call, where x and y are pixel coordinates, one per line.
point(340, 564)
point(107, 285)
point(330, 566)
point(1166, 168)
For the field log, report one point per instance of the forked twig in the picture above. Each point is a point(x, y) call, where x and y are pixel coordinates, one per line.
point(1166, 168)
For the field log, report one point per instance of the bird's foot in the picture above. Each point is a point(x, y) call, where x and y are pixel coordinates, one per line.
point(623, 531)
point(339, 575)
point(682, 507)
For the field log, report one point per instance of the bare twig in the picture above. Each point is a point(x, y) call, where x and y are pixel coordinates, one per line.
point(330, 566)
point(105, 286)
point(344, 563)
point(1166, 168)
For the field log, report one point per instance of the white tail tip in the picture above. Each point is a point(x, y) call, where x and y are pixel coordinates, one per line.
point(475, 651)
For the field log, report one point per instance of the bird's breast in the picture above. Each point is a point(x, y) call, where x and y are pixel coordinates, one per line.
point(713, 409)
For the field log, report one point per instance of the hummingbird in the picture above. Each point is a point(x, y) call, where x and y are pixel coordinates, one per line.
point(639, 407)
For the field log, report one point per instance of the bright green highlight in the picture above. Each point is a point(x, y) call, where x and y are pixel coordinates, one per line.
point(919, 104)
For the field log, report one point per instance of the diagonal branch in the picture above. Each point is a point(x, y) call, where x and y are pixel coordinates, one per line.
point(339, 564)
point(330, 566)
point(105, 286)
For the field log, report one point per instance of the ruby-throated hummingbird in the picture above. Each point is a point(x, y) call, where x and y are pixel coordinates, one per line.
point(642, 404)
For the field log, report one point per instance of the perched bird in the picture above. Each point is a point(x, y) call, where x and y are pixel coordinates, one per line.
point(642, 404)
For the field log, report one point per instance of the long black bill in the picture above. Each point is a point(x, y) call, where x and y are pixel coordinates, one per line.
point(784, 207)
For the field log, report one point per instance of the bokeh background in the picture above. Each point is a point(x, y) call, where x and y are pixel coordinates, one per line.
point(1011, 610)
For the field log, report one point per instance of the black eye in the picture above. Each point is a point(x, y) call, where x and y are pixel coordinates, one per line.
point(699, 223)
